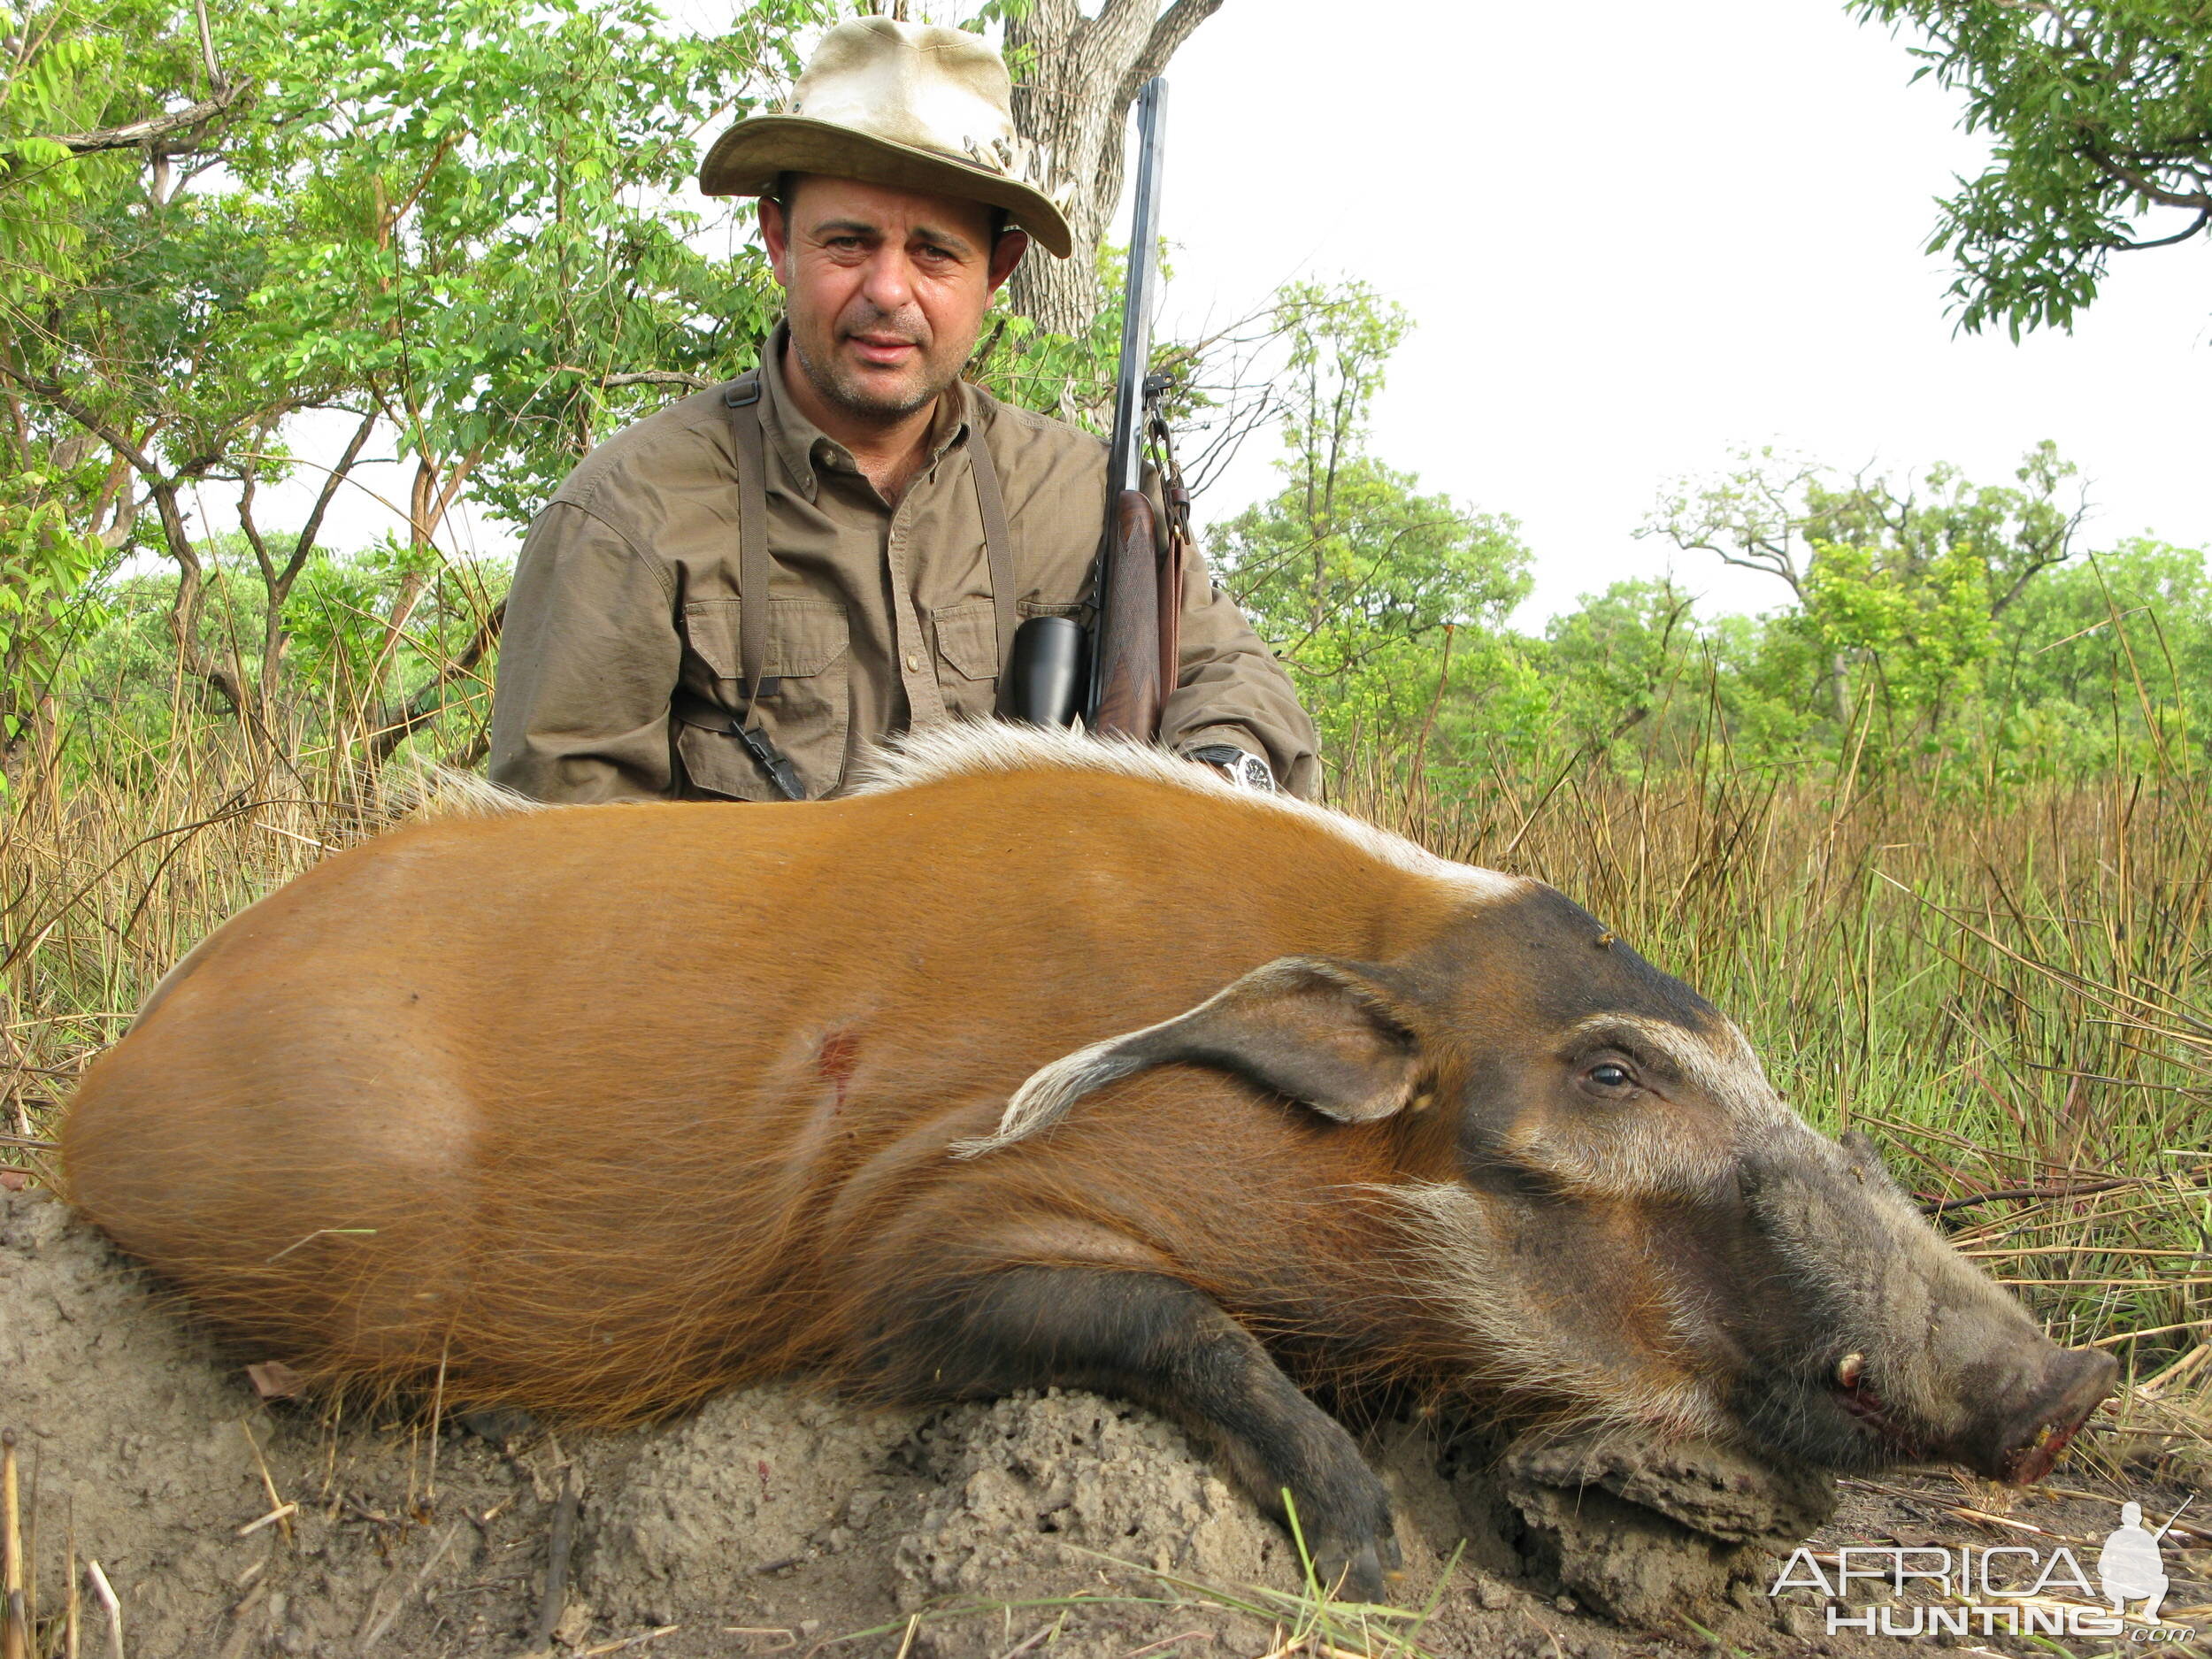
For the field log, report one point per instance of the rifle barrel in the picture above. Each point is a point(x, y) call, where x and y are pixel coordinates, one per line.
point(1127, 457)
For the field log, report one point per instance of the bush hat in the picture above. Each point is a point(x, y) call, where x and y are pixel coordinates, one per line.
point(908, 104)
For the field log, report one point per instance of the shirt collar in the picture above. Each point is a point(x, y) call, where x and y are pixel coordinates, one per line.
point(807, 451)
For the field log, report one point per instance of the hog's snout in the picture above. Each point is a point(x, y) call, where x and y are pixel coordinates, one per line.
point(1925, 1355)
point(2020, 1445)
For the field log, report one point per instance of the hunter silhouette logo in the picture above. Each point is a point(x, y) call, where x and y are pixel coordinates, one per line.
point(2130, 1564)
point(2006, 1589)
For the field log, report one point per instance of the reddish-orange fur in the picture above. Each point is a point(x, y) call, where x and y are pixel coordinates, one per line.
point(599, 1111)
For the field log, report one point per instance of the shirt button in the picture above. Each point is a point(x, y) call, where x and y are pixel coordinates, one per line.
point(913, 662)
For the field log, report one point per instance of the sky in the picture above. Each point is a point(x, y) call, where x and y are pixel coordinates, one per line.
point(1635, 239)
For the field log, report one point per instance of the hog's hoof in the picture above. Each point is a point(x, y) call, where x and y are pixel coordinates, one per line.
point(1348, 1527)
point(1356, 1572)
point(1648, 1534)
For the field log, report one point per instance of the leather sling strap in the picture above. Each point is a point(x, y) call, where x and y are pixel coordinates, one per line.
point(998, 541)
point(753, 565)
point(753, 557)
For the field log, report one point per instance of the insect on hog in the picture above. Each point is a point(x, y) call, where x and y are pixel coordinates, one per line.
point(1041, 1062)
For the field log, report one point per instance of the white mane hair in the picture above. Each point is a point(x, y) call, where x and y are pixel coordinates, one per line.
point(435, 794)
point(978, 749)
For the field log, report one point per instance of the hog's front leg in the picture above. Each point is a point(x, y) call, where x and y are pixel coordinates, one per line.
point(1155, 1340)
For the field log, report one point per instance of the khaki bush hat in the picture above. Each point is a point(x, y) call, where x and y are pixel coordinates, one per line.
point(908, 105)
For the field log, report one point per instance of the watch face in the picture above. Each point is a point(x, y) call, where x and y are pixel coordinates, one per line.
point(1252, 772)
point(1245, 770)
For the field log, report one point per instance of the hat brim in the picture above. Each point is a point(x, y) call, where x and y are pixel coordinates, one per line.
point(746, 160)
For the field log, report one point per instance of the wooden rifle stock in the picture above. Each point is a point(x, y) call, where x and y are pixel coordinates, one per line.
point(1125, 677)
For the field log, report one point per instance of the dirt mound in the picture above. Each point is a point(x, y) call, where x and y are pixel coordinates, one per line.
point(774, 1518)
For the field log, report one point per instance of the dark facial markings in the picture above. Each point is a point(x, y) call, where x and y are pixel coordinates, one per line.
point(1540, 942)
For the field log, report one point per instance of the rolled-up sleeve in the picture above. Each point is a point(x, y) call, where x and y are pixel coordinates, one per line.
point(589, 655)
point(1232, 690)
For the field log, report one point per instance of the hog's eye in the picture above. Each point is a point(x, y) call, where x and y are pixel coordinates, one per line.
point(1605, 1074)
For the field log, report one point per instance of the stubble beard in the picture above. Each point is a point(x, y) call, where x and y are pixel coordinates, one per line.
point(840, 388)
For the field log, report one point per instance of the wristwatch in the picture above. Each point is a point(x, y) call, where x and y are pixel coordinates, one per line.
point(1239, 766)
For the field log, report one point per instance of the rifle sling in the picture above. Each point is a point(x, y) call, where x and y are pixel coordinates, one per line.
point(998, 540)
point(754, 560)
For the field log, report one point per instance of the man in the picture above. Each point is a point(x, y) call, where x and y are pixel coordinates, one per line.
point(899, 522)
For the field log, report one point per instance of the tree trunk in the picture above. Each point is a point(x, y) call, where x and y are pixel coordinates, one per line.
point(397, 719)
point(1079, 76)
point(277, 580)
point(184, 609)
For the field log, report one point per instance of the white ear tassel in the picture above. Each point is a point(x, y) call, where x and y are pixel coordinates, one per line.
point(1046, 1098)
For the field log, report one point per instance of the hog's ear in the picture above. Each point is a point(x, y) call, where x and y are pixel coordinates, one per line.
point(1334, 1035)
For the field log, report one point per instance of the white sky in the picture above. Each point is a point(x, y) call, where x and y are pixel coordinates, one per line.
point(1636, 235)
point(1633, 237)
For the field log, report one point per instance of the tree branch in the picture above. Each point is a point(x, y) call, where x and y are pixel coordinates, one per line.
point(1173, 27)
point(215, 80)
point(331, 483)
point(46, 392)
point(162, 490)
point(1755, 558)
point(2120, 174)
point(156, 126)
point(645, 377)
point(252, 528)
point(2203, 218)
point(2057, 550)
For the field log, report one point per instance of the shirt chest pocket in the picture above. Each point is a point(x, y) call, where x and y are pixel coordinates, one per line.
point(967, 657)
point(805, 704)
point(967, 648)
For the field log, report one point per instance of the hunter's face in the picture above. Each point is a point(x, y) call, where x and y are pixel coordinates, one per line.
point(886, 290)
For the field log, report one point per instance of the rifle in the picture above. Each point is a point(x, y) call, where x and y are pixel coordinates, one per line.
point(1138, 588)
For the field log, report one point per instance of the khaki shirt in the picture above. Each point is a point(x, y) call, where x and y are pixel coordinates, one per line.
point(881, 619)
